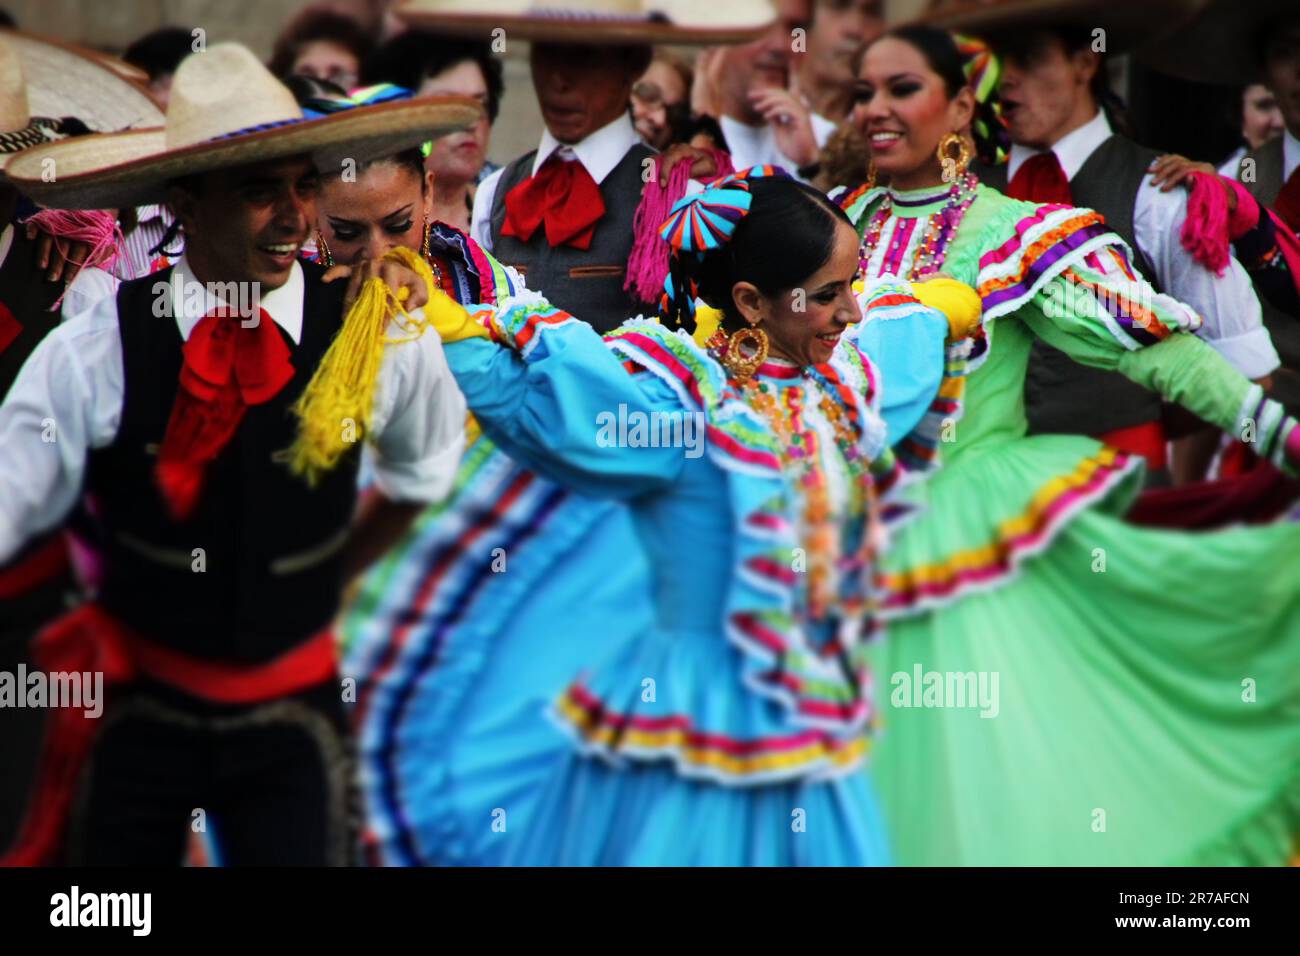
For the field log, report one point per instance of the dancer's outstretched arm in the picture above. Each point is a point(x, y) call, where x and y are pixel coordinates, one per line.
point(547, 389)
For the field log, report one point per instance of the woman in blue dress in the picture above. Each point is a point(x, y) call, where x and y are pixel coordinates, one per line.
point(729, 728)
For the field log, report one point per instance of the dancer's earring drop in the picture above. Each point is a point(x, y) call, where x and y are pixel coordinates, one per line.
point(323, 255)
point(954, 167)
point(746, 350)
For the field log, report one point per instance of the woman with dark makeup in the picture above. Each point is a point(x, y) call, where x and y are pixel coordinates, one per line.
point(1121, 664)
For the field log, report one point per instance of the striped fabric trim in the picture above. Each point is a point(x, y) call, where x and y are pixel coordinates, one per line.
point(518, 319)
point(846, 200)
point(1046, 245)
point(919, 449)
point(1265, 425)
point(889, 298)
point(715, 755)
point(455, 575)
point(779, 663)
point(926, 587)
point(259, 128)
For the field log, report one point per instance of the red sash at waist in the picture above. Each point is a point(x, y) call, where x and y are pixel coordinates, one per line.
point(1147, 440)
point(90, 639)
point(43, 565)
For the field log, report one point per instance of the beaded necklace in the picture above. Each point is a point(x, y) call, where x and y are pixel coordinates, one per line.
point(801, 458)
point(939, 228)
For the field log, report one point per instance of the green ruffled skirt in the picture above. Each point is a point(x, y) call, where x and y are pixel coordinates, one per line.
point(1060, 688)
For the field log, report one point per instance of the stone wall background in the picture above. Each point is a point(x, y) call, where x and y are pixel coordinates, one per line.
point(112, 24)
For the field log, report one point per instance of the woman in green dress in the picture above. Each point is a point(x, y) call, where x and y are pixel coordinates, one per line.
point(1057, 686)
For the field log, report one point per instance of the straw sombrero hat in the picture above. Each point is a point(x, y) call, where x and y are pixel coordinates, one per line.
point(64, 80)
point(678, 22)
point(44, 88)
point(1222, 44)
point(226, 110)
point(1128, 23)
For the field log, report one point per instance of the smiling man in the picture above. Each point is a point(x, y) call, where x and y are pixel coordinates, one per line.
point(172, 410)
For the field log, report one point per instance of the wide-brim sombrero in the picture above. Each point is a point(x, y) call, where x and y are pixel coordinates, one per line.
point(599, 22)
point(65, 80)
point(1127, 23)
point(226, 110)
point(1220, 45)
point(44, 83)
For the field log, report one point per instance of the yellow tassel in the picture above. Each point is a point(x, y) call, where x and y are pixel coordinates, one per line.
point(334, 410)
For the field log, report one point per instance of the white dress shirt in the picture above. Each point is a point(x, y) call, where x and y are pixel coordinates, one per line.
point(68, 400)
point(599, 153)
point(1233, 321)
point(1232, 165)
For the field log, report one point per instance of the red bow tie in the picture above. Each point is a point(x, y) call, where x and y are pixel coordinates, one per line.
point(227, 367)
point(564, 197)
point(1040, 178)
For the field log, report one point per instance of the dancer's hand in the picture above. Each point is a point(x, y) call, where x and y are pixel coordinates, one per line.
point(703, 165)
point(409, 285)
point(1174, 170)
point(791, 123)
point(58, 258)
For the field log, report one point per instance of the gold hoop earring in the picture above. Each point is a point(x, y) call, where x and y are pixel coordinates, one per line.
point(953, 167)
point(739, 364)
point(424, 243)
point(323, 255)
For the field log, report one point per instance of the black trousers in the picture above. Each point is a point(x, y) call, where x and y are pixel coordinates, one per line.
point(270, 783)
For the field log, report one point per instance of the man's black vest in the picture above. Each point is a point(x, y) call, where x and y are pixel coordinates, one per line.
point(1062, 396)
point(271, 545)
point(585, 282)
point(1264, 182)
point(25, 301)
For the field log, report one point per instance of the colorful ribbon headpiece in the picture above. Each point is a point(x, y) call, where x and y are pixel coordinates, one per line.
point(702, 223)
point(319, 106)
point(983, 69)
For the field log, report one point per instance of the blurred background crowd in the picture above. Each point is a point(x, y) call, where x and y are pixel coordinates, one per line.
point(683, 93)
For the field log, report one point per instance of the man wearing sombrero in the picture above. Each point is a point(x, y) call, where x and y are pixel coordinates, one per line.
point(562, 214)
point(1065, 148)
point(48, 91)
point(172, 405)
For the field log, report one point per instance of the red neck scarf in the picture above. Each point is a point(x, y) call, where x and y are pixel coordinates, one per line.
point(564, 197)
point(228, 366)
point(1040, 178)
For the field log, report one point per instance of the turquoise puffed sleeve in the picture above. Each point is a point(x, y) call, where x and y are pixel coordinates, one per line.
point(922, 368)
point(554, 397)
point(905, 342)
